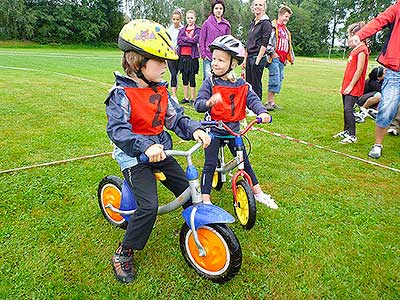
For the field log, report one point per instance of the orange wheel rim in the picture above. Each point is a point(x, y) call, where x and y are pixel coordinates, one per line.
point(112, 195)
point(216, 258)
point(242, 208)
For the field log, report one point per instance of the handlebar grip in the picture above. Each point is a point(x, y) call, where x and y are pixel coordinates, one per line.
point(143, 158)
point(259, 120)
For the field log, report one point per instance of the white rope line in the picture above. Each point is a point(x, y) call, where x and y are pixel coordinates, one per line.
point(57, 162)
point(55, 55)
point(327, 149)
point(56, 73)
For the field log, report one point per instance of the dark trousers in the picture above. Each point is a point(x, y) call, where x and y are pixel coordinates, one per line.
point(173, 70)
point(348, 116)
point(211, 161)
point(142, 181)
point(254, 74)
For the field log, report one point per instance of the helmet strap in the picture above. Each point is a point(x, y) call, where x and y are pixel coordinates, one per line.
point(141, 76)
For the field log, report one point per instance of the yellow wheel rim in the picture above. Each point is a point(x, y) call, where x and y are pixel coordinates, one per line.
point(112, 195)
point(215, 179)
point(215, 260)
point(242, 208)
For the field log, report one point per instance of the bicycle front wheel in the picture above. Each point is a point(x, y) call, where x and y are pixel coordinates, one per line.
point(245, 209)
point(223, 257)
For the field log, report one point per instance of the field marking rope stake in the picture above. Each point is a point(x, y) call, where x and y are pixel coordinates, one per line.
point(326, 149)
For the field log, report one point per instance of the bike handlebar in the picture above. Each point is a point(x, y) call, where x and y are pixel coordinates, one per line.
point(222, 125)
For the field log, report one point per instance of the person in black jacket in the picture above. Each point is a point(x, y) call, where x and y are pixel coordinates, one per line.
point(369, 101)
point(256, 46)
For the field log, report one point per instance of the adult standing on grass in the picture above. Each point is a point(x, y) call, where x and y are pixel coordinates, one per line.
point(256, 46)
point(390, 58)
point(215, 26)
point(188, 51)
point(173, 30)
point(282, 54)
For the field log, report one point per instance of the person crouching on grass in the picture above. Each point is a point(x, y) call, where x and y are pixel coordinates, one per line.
point(353, 84)
point(225, 98)
point(138, 107)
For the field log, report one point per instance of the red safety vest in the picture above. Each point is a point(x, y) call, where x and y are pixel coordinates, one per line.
point(148, 109)
point(232, 108)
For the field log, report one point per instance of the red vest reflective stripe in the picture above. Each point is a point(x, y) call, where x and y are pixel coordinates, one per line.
point(148, 109)
point(232, 108)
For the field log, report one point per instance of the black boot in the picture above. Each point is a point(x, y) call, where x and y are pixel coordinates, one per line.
point(122, 262)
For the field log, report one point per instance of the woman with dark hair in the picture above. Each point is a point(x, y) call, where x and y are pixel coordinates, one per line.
point(215, 26)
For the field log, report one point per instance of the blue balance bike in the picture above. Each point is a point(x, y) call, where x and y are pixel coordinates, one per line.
point(208, 245)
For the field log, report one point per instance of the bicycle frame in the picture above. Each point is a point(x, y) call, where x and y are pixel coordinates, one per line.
point(196, 215)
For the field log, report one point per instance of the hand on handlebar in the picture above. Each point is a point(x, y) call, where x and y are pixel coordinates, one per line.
point(265, 117)
point(203, 137)
point(155, 153)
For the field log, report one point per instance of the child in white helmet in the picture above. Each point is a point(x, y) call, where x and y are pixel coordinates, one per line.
point(225, 98)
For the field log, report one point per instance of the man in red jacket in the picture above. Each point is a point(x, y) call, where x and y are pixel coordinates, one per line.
point(390, 58)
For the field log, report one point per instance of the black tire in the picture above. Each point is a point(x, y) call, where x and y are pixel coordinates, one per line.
point(110, 191)
point(246, 209)
point(217, 179)
point(213, 237)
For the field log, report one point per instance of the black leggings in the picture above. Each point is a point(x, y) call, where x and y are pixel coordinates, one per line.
point(211, 160)
point(173, 69)
point(143, 184)
point(348, 116)
point(254, 74)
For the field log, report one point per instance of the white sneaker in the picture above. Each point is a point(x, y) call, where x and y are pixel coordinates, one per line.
point(267, 200)
point(342, 135)
point(393, 131)
point(376, 151)
point(350, 139)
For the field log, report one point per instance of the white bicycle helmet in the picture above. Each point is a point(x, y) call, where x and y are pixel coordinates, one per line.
point(230, 44)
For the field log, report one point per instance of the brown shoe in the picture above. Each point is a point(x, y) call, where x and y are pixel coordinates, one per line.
point(122, 262)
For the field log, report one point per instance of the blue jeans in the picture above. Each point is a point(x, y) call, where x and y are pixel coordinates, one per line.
point(206, 68)
point(390, 100)
point(275, 75)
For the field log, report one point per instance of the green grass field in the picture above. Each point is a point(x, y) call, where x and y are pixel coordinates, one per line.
point(336, 234)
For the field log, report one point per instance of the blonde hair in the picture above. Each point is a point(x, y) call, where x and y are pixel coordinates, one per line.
point(355, 27)
point(131, 61)
point(284, 9)
point(264, 4)
point(177, 11)
point(191, 11)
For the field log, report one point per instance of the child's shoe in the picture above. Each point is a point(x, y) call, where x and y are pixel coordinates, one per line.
point(266, 199)
point(342, 135)
point(350, 139)
point(393, 131)
point(184, 101)
point(376, 151)
point(122, 262)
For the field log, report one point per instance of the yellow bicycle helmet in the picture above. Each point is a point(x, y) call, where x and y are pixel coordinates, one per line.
point(148, 38)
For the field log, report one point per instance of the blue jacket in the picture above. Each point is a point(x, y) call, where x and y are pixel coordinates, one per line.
point(129, 145)
point(253, 102)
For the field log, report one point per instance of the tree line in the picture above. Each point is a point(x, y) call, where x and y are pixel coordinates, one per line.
point(316, 25)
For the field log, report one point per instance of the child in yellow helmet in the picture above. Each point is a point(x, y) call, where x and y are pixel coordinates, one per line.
point(138, 108)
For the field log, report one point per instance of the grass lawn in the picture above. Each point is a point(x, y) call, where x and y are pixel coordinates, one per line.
point(336, 234)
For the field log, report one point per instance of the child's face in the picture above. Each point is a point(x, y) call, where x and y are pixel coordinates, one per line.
point(284, 18)
point(190, 18)
point(154, 69)
point(220, 62)
point(218, 10)
point(350, 42)
point(176, 19)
